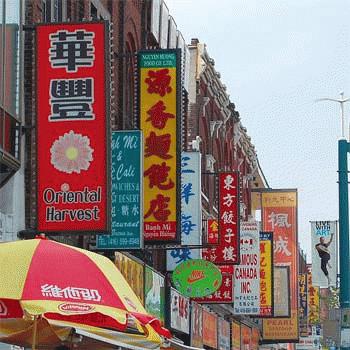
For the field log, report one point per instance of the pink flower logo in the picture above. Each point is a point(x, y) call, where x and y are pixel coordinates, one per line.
point(71, 153)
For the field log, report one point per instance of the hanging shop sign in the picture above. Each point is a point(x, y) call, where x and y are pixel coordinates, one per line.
point(154, 293)
point(279, 215)
point(210, 327)
point(213, 231)
point(324, 253)
point(223, 334)
point(179, 312)
point(235, 336)
point(191, 204)
point(266, 274)
point(247, 273)
point(313, 298)
point(224, 295)
point(126, 178)
point(133, 272)
point(227, 252)
point(246, 335)
point(159, 104)
point(196, 325)
point(281, 294)
point(72, 128)
point(255, 339)
point(303, 307)
point(197, 278)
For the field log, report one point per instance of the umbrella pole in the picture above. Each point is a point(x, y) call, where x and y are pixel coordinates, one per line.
point(35, 329)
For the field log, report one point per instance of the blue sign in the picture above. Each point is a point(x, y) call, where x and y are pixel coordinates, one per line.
point(126, 177)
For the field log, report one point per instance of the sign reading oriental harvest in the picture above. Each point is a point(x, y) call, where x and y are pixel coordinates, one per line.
point(279, 214)
point(160, 91)
point(72, 128)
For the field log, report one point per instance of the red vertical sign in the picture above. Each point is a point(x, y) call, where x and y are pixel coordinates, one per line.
point(72, 128)
point(227, 252)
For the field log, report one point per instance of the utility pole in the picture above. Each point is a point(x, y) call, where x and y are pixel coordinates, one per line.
point(344, 257)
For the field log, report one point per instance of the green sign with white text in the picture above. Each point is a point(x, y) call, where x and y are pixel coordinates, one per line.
point(197, 278)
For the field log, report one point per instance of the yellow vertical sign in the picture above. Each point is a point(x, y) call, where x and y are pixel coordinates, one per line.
point(266, 261)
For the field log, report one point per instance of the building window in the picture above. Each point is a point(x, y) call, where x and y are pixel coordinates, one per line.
point(54, 10)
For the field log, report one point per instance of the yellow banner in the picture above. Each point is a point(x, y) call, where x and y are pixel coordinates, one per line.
point(266, 273)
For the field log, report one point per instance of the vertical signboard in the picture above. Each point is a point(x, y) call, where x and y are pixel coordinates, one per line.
point(324, 304)
point(133, 272)
point(196, 325)
point(223, 334)
point(72, 128)
point(281, 291)
point(324, 253)
point(235, 336)
point(313, 298)
point(191, 203)
point(279, 215)
point(179, 312)
point(303, 309)
point(255, 339)
point(210, 329)
point(213, 231)
point(154, 294)
point(246, 336)
point(227, 252)
point(126, 216)
point(247, 273)
point(266, 274)
point(159, 104)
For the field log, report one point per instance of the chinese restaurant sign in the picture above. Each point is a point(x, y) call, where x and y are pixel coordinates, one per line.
point(191, 220)
point(266, 274)
point(179, 312)
point(196, 325)
point(197, 278)
point(313, 297)
point(303, 309)
point(227, 252)
point(72, 128)
point(210, 329)
point(213, 231)
point(279, 215)
point(126, 179)
point(235, 336)
point(247, 273)
point(223, 334)
point(159, 100)
point(154, 294)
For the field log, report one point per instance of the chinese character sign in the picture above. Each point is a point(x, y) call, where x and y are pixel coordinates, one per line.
point(247, 273)
point(210, 329)
point(279, 214)
point(235, 336)
point(126, 179)
point(324, 253)
point(213, 231)
point(179, 312)
point(303, 307)
point(191, 221)
point(266, 275)
point(227, 252)
point(72, 133)
point(159, 119)
point(313, 298)
point(196, 325)
point(223, 334)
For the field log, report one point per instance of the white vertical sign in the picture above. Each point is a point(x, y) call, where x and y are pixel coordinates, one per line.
point(179, 312)
point(191, 220)
point(324, 253)
point(247, 273)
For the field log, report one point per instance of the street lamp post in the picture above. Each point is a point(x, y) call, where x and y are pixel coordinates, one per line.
point(344, 258)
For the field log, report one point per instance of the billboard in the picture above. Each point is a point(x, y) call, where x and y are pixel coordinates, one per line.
point(191, 204)
point(179, 312)
point(133, 272)
point(154, 293)
point(72, 128)
point(227, 252)
point(247, 273)
point(235, 336)
point(126, 181)
point(210, 329)
point(279, 215)
point(159, 104)
point(324, 253)
point(266, 274)
point(196, 325)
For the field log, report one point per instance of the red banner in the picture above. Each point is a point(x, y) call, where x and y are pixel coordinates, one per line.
point(72, 133)
point(227, 251)
point(213, 231)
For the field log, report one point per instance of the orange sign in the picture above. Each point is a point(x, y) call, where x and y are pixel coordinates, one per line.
point(246, 335)
point(210, 329)
point(279, 215)
point(235, 336)
point(255, 339)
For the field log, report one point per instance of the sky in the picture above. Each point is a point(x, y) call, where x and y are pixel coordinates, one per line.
point(277, 57)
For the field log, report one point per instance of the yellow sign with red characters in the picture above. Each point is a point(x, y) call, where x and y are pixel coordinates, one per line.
point(159, 120)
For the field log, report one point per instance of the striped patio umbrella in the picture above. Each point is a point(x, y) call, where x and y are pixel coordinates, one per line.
point(45, 279)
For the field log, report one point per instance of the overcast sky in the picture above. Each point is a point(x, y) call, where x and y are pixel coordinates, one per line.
point(276, 57)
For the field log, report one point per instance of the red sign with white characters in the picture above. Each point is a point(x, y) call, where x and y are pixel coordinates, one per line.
point(227, 252)
point(223, 295)
point(72, 131)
